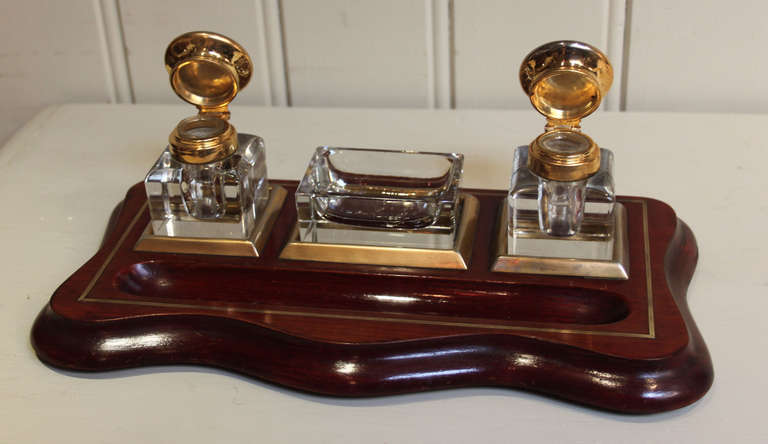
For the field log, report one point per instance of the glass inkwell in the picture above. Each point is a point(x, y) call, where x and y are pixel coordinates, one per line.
point(208, 191)
point(383, 207)
point(561, 216)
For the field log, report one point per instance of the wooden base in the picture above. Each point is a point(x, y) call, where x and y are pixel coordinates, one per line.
point(364, 330)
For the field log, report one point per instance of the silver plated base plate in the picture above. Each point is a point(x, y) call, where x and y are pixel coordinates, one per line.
point(562, 257)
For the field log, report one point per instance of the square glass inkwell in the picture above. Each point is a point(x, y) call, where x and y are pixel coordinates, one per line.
point(383, 207)
point(561, 216)
point(208, 192)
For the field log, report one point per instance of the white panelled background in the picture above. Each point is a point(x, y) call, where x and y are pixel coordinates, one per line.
point(686, 55)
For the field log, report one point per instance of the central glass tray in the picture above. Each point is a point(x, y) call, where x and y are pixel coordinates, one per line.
point(382, 198)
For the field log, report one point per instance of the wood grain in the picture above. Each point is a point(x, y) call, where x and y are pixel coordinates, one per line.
point(357, 330)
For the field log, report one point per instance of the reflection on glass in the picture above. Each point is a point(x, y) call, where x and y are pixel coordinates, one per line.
point(379, 197)
point(561, 206)
point(212, 200)
point(561, 219)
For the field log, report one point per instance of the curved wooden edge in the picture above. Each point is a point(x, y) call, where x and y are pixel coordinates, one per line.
point(680, 264)
point(386, 368)
point(357, 370)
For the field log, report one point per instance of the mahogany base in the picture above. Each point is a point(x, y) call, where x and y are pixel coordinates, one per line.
point(363, 330)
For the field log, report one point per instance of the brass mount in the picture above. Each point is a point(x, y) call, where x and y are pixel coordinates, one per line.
point(206, 70)
point(565, 81)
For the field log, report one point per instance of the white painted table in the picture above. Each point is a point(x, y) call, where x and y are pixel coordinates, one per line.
point(62, 174)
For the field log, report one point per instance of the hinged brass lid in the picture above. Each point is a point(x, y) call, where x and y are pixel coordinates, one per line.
point(206, 70)
point(565, 81)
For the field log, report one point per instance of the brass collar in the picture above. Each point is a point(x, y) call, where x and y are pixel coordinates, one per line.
point(564, 155)
point(203, 139)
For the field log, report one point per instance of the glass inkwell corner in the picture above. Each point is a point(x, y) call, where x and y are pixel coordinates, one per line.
point(383, 207)
point(561, 216)
point(208, 191)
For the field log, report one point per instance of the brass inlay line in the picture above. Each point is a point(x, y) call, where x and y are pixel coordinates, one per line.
point(650, 335)
point(648, 274)
point(371, 318)
point(648, 282)
point(112, 253)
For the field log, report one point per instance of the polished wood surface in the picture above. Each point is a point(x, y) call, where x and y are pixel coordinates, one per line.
point(357, 330)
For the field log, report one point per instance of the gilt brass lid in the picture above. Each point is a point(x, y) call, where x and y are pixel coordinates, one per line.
point(566, 80)
point(206, 70)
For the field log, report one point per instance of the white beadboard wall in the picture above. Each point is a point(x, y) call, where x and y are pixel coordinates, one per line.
point(358, 53)
point(698, 55)
point(50, 52)
point(491, 38)
point(145, 24)
point(687, 55)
